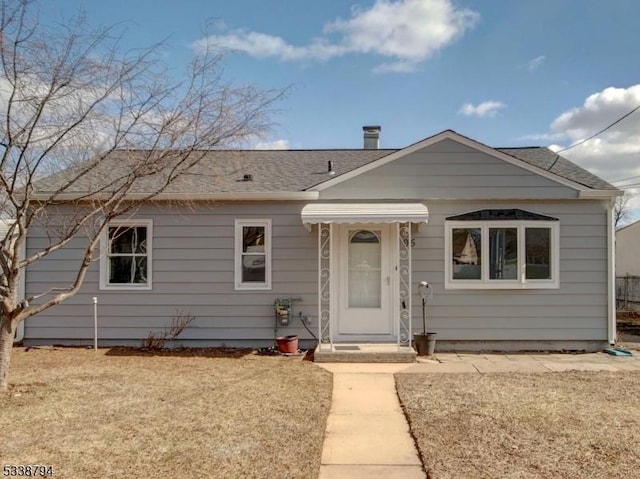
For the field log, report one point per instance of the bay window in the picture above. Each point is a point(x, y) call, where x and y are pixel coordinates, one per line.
point(501, 254)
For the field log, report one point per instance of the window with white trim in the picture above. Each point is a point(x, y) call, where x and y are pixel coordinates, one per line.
point(125, 262)
point(501, 254)
point(252, 254)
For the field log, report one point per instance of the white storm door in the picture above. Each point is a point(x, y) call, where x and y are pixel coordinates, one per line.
point(365, 281)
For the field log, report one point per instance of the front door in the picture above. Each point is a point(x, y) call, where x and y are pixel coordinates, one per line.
point(364, 283)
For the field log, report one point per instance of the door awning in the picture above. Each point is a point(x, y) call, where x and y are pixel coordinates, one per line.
point(315, 213)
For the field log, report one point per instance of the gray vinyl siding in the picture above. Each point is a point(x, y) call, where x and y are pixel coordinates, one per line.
point(448, 170)
point(193, 270)
point(575, 311)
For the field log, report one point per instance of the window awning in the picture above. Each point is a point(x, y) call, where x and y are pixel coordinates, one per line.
point(501, 215)
point(315, 213)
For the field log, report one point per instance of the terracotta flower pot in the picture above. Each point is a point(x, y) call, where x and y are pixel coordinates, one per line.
point(287, 344)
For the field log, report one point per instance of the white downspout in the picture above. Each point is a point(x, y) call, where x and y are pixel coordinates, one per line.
point(611, 273)
point(21, 295)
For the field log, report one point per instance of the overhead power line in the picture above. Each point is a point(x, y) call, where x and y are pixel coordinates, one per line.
point(626, 179)
point(601, 131)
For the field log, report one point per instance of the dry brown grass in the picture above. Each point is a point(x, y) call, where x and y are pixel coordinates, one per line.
point(168, 415)
point(628, 342)
point(628, 325)
point(560, 425)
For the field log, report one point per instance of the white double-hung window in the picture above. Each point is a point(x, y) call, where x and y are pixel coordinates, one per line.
point(502, 251)
point(253, 254)
point(125, 259)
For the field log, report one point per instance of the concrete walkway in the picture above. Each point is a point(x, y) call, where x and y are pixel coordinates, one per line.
point(367, 433)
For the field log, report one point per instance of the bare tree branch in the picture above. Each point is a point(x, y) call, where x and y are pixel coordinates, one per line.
point(86, 125)
point(621, 212)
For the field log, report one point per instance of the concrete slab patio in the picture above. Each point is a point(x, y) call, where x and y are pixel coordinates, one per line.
point(523, 363)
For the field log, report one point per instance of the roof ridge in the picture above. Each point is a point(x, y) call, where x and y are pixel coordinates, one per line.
point(520, 147)
point(262, 150)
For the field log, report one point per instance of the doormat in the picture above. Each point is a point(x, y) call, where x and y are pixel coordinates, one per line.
point(347, 348)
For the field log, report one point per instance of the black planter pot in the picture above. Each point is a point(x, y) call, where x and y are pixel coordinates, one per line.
point(425, 344)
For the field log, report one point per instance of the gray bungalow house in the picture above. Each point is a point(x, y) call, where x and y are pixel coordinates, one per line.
point(517, 244)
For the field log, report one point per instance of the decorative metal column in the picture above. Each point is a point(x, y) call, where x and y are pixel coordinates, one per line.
point(325, 336)
point(404, 283)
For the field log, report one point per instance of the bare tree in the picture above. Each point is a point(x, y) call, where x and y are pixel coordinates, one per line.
point(621, 209)
point(70, 101)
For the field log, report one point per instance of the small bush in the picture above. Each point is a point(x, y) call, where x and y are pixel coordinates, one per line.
point(179, 322)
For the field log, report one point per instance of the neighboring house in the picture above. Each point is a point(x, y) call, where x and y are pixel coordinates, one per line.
point(628, 250)
point(516, 242)
point(628, 267)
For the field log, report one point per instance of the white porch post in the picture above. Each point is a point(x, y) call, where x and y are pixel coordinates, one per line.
point(404, 283)
point(325, 335)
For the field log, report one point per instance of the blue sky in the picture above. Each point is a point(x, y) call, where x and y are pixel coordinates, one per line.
point(506, 73)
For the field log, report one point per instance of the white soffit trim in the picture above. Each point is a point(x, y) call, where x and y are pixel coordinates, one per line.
point(450, 135)
point(352, 213)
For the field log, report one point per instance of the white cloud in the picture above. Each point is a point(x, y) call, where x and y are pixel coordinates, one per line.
point(55, 113)
point(272, 145)
point(396, 67)
point(259, 45)
point(598, 111)
point(612, 155)
point(536, 63)
point(406, 31)
point(262, 45)
point(486, 109)
point(542, 137)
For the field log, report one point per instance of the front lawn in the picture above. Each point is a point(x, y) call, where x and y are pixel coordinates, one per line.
point(121, 413)
point(555, 425)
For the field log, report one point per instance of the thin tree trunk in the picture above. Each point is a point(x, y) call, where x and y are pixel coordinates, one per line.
point(7, 332)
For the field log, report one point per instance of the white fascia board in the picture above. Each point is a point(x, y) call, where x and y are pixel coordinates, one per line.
point(247, 196)
point(587, 194)
point(449, 135)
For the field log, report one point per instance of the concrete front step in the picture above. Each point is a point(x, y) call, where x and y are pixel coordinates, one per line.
point(364, 353)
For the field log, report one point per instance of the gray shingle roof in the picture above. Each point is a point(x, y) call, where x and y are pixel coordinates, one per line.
point(546, 159)
point(221, 171)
